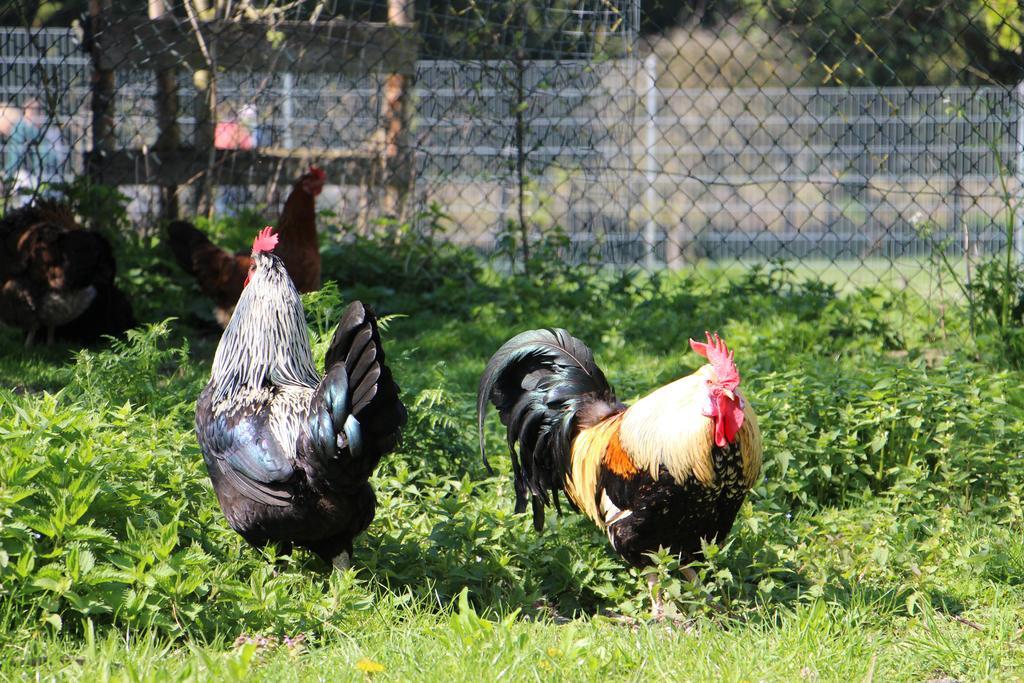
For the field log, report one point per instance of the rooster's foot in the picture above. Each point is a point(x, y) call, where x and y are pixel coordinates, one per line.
point(342, 561)
point(657, 603)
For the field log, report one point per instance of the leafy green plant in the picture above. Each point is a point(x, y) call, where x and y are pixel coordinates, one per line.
point(100, 206)
point(997, 299)
point(991, 287)
point(889, 501)
point(885, 426)
point(410, 256)
point(144, 369)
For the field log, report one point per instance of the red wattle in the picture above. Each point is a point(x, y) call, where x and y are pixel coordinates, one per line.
point(728, 420)
point(720, 440)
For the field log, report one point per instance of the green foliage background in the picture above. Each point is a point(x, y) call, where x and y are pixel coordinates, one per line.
point(831, 42)
point(885, 536)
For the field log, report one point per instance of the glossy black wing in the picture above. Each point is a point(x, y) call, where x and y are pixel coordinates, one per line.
point(240, 451)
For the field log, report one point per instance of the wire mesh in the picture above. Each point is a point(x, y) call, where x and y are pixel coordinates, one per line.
point(853, 138)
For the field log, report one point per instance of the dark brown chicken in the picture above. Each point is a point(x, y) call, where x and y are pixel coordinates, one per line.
point(56, 275)
point(222, 275)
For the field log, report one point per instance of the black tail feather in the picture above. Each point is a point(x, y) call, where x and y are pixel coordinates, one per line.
point(183, 238)
point(373, 394)
point(539, 380)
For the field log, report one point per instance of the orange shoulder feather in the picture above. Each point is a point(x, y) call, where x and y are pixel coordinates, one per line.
point(594, 449)
point(616, 459)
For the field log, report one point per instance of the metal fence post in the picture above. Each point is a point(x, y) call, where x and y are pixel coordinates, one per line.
point(1018, 213)
point(288, 109)
point(651, 154)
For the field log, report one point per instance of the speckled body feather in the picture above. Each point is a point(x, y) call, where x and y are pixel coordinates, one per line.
point(290, 453)
point(651, 474)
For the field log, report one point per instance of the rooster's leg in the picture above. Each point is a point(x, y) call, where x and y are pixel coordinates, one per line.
point(30, 337)
point(657, 604)
point(342, 561)
point(690, 575)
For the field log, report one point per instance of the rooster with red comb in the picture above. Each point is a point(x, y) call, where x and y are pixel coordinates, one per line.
point(289, 452)
point(669, 471)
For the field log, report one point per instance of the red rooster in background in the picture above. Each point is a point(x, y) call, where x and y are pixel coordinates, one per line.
point(289, 452)
point(667, 472)
point(221, 274)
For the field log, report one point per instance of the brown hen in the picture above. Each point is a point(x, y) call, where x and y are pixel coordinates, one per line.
point(222, 275)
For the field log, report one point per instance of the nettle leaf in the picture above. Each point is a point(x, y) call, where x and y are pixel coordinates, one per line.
point(90, 534)
point(53, 620)
point(87, 605)
point(51, 580)
point(46, 527)
point(879, 441)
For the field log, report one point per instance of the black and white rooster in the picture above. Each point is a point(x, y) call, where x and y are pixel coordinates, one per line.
point(290, 453)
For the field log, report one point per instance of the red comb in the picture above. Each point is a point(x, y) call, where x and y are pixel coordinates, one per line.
point(720, 357)
point(317, 172)
point(265, 241)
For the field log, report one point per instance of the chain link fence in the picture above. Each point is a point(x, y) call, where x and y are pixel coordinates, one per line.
point(854, 138)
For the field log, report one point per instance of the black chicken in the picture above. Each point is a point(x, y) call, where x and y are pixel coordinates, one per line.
point(290, 453)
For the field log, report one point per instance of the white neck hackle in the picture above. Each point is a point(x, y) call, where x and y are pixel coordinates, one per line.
point(266, 341)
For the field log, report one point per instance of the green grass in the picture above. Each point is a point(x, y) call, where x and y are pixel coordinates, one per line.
point(885, 542)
